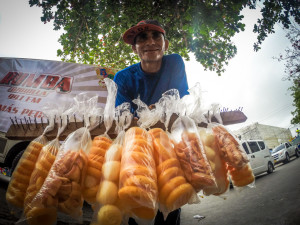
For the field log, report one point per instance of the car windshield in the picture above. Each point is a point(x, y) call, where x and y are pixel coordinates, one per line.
point(278, 148)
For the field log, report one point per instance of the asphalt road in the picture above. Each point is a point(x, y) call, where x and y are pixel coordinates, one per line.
point(274, 201)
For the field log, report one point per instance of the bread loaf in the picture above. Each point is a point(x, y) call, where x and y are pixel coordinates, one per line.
point(170, 175)
point(62, 188)
point(229, 148)
point(218, 165)
point(111, 207)
point(96, 156)
point(18, 185)
point(193, 161)
point(138, 181)
point(39, 175)
point(235, 157)
point(241, 177)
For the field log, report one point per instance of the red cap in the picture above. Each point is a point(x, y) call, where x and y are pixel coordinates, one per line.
point(143, 25)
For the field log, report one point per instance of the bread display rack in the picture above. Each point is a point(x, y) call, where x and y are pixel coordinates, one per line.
point(26, 129)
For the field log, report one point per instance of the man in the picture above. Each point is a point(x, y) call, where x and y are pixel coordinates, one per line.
point(156, 73)
point(149, 79)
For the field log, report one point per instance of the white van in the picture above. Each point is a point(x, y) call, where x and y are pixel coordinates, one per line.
point(259, 156)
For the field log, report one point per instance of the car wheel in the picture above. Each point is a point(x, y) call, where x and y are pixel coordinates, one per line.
point(297, 153)
point(287, 158)
point(270, 168)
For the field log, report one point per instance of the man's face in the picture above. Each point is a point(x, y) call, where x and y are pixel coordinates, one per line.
point(150, 46)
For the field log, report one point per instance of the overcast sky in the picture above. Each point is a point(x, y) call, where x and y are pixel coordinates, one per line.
point(253, 80)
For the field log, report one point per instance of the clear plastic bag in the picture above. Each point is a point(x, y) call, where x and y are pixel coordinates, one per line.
point(174, 190)
point(235, 156)
point(42, 167)
point(218, 165)
point(109, 209)
point(138, 180)
point(38, 176)
point(19, 182)
point(191, 154)
point(100, 145)
point(61, 191)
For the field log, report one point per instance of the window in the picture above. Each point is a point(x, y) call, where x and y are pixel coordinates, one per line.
point(2, 145)
point(278, 148)
point(253, 146)
point(246, 148)
point(287, 145)
point(261, 145)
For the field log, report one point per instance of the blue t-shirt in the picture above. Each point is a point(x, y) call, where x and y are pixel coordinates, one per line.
point(133, 82)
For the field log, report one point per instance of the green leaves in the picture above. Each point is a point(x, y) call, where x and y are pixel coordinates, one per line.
point(94, 28)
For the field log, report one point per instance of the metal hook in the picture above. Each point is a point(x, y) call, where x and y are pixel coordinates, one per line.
point(29, 120)
point(22, 125)
point(26, 123)
point(67, 121)
point(12, 121)
point(42, 122)
point(60, 121)
point(35, 122)
point(16, 120)
point(75, 120)
point(100, 120)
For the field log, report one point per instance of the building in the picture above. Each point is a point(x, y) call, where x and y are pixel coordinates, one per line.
point(272, 135)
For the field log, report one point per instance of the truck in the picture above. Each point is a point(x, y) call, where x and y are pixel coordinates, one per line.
point(284, 151)
point(26, 85)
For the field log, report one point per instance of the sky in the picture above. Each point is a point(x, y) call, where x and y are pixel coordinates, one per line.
point(252, 81)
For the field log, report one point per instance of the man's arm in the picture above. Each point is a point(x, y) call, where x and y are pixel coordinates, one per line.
point(124, 93)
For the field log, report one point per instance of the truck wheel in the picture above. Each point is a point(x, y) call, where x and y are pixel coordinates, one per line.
point(297, 153)
point(270, 168)
point(287, 158)
point(16, 160)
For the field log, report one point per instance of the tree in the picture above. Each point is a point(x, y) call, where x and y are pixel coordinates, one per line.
point(93, 28)
point(292, 68)
point(296, 101)
point(292, 55)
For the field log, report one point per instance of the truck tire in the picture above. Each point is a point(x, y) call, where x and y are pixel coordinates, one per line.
point(270, 168)
point(287, 158)
point(16, 160)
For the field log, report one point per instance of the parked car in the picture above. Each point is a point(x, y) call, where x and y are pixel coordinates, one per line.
point(284, 151)
point(259, 156)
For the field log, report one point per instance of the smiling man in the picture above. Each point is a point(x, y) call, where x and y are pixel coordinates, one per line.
point(156, 73)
